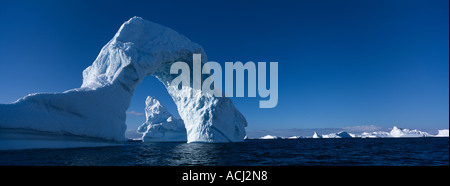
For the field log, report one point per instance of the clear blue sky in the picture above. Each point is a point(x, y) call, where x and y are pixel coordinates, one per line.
point(341, 63)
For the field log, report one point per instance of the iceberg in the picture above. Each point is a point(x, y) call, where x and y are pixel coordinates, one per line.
point(377, 134)
point(395, 133)
point(98, 108)
point(398, 132)
point(341, 134)
point(294, 137)
point(315, 135)
point(160, 125)
point(442, 133)
point(269, 137)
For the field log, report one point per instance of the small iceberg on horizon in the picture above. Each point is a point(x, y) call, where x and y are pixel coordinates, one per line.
point(341, 134)
point(315, 135)
point(269, 137)
point(442, 133)
point(394, 132)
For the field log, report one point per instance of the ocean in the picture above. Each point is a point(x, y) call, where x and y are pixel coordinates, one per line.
point(277, 152)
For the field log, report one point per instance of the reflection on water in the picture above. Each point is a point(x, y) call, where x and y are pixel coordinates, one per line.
point(195, 154)
point(413, 151)
point(184, 153)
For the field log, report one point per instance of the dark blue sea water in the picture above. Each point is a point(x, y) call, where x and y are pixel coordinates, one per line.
point(305, 152)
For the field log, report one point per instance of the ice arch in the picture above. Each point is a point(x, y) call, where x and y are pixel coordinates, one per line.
point(97, 109)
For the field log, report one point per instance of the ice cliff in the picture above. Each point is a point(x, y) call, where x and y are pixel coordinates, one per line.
point(442, 133)
point(160, 125)
point(97, 109)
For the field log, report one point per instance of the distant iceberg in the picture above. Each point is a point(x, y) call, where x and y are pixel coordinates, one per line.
point(442, 133)
point(395, 132)
point(315, 135)
point(270, 137)
point(341, 134)
point(294, 137)
point(378, 134)
point(403, 133)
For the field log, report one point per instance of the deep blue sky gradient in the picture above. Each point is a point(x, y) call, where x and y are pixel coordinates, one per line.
point(341, 63)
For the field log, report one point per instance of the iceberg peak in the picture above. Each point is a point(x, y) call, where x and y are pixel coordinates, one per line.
point(316, 135)
point(152, 37)
point(155, 112)
point(160, 125)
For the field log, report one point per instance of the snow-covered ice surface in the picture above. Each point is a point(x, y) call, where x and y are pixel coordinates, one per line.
point(97, 109)
point(160, 125)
